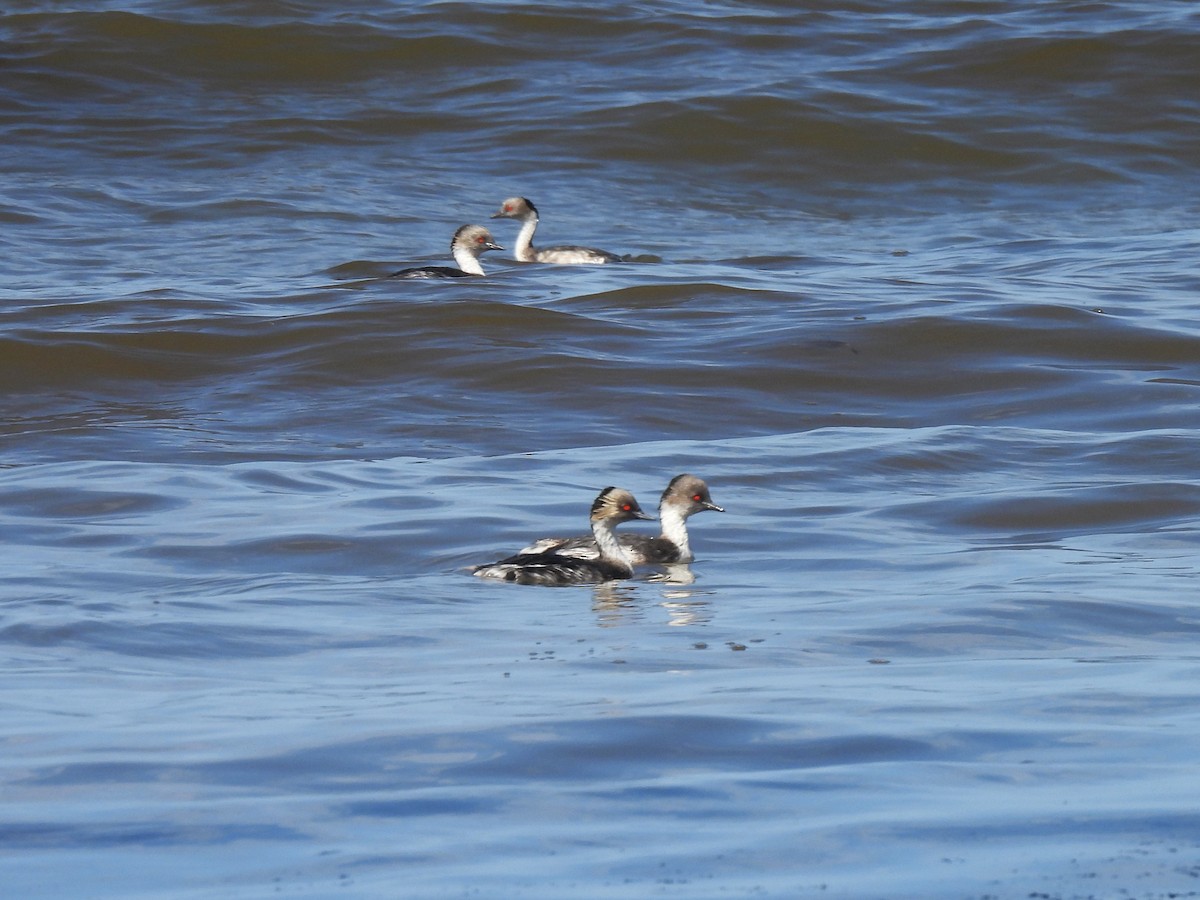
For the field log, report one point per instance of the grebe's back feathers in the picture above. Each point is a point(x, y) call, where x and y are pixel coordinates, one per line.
point(552, 569)
point(611, 507)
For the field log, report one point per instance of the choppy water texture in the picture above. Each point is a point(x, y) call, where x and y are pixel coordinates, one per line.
point(914, 289)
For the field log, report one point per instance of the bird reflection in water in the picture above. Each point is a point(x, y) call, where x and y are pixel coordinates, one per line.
point(614, 603)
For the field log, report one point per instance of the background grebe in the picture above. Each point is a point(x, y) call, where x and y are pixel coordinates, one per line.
point(526, 213)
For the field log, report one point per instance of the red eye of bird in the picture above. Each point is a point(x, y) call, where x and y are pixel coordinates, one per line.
point(627, 508)
point(508, 207)
point(696, 497)
point(479, 240)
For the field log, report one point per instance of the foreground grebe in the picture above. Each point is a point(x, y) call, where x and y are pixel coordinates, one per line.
point(526, 213)
point(468, 243)
point(684, 496)
point(612, 507)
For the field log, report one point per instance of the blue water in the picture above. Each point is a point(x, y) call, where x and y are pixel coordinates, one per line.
point(912, 289)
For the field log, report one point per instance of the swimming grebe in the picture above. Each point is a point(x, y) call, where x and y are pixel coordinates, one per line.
point(684, 496)
point(526, 213)
point(467, 244)
point(612, 507)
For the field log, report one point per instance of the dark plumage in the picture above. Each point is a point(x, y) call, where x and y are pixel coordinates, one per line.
point(612, 507)
point(686, 495)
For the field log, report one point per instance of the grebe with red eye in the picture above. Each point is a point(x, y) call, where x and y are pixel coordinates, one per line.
point(684, 496)
point(468, 243)
point(612, 507)
point(526, 213)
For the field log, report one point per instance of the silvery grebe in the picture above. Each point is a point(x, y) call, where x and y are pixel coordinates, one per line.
point(467, 244)
point(526, 213)
point(612, 507)
point(684, 496)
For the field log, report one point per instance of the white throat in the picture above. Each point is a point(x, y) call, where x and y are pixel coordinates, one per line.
point(674, 529)
point(610, 548)
point(467, 260)
point(523, 251)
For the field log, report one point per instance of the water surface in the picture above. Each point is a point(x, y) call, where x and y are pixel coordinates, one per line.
point(914, 290)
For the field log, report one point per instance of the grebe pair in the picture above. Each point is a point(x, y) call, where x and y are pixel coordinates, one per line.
point(471, 241)
point(604, 556)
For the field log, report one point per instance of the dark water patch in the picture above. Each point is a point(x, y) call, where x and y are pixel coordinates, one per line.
point(1033, 616)
point(298, 551)
point(1060, 512)
point(113, 49)
point(976, 358)
point(607, 748)
point(289, 482)
point(420, 806)
point(18, 217)
point(1118, 66)
point(668, 793)
point(781, 139)
point(697, 302)
point(362, 273)
point(84, 504)
point(170, 640)
point(1083, 510)
point(1090, 823)
point(219, 210)
point(1045, 335)
point(340, 768)
point(566, 752)
point(962, 454)
point(152, 358)
point(34, 836)
point(1084, 618)
point(347, 344)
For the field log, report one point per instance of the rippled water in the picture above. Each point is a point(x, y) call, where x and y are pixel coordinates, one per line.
point(913, 289)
